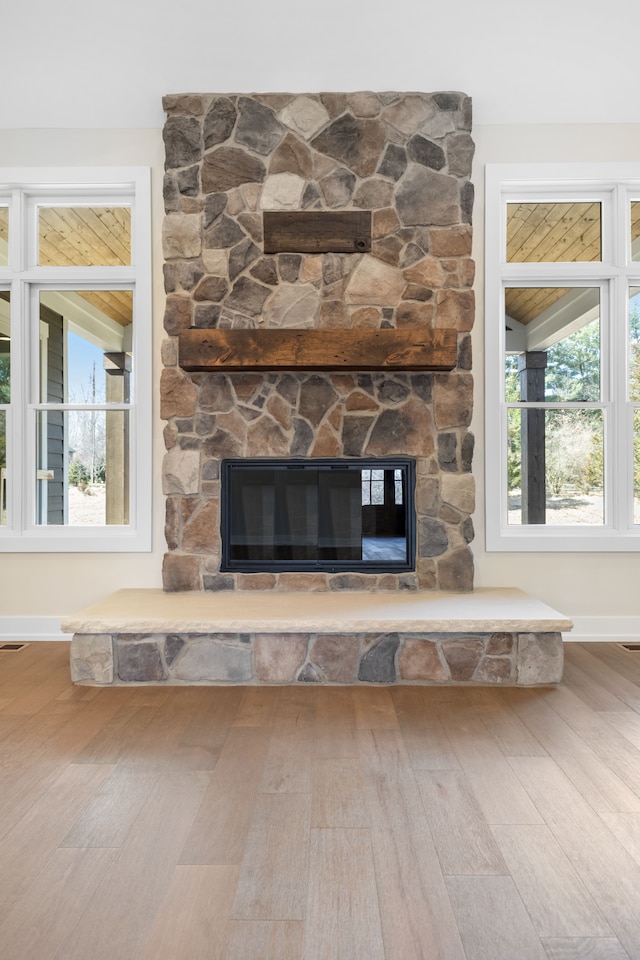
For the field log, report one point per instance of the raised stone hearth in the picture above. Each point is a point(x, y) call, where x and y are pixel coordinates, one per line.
point(146, 636)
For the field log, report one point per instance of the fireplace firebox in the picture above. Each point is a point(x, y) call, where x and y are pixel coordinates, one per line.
point(327, 515)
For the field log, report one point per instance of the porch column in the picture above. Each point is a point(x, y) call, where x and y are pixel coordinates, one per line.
point(531, 367)
point(117, 368)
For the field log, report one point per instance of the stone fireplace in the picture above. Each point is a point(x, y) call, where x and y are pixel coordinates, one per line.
point(319, 309)
point(403, 160)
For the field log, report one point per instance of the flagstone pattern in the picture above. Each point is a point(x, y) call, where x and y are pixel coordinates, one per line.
point(406, 157)
point(502, 659)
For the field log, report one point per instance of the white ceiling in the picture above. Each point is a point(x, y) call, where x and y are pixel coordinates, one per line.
point(91, 64)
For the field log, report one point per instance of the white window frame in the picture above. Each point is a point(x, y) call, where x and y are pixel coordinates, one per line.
point(614, 185)
point(24, 189)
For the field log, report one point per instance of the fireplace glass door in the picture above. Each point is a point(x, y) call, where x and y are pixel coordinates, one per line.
point(330, 515)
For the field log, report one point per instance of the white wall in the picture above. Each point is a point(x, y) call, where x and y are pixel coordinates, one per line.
point(87, 63)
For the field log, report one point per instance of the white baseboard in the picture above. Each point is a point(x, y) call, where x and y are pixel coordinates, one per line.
point(604, 629)
point(31, 629)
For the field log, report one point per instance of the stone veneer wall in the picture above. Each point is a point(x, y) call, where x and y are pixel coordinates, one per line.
point(502, 659)
point(407, 158)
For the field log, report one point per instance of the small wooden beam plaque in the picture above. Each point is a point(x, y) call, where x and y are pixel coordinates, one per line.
point(317, 231)
point(234, 351)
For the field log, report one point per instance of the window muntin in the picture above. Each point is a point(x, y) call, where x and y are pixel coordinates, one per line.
point(77, 319)
point(608, 405)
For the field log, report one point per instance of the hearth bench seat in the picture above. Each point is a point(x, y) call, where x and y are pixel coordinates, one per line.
point(487, 637)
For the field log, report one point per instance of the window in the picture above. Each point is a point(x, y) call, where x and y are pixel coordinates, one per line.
point(562, 318)
point(75, 360)
point(382, 486)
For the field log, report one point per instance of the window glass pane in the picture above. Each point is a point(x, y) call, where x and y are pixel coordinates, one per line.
point(555, 467)
point(397, 482)
point(366, 487)
point(553, 232)
point(635, 230)
point(3, 468)
point(85, 346)
point(84, 236)
point(377, 490)
point(4, 236)
point(511, 378)
point(529, 304)
point(5, 348)
point(636, 466)
point(573, 366)
point(82, 467)
point(567, 370)
point(634, 343)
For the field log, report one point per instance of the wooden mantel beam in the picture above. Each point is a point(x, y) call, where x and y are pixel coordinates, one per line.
point(229, 351)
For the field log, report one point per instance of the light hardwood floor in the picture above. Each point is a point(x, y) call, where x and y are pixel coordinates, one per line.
point(309, 823)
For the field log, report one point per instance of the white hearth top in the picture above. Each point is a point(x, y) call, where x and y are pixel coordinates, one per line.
point(485, 610)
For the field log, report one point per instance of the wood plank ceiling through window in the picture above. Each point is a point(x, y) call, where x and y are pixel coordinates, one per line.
point(548, 233)
point(89, 236)
point(552, 233)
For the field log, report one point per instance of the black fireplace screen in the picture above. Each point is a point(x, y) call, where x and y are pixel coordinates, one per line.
point(331, 515)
